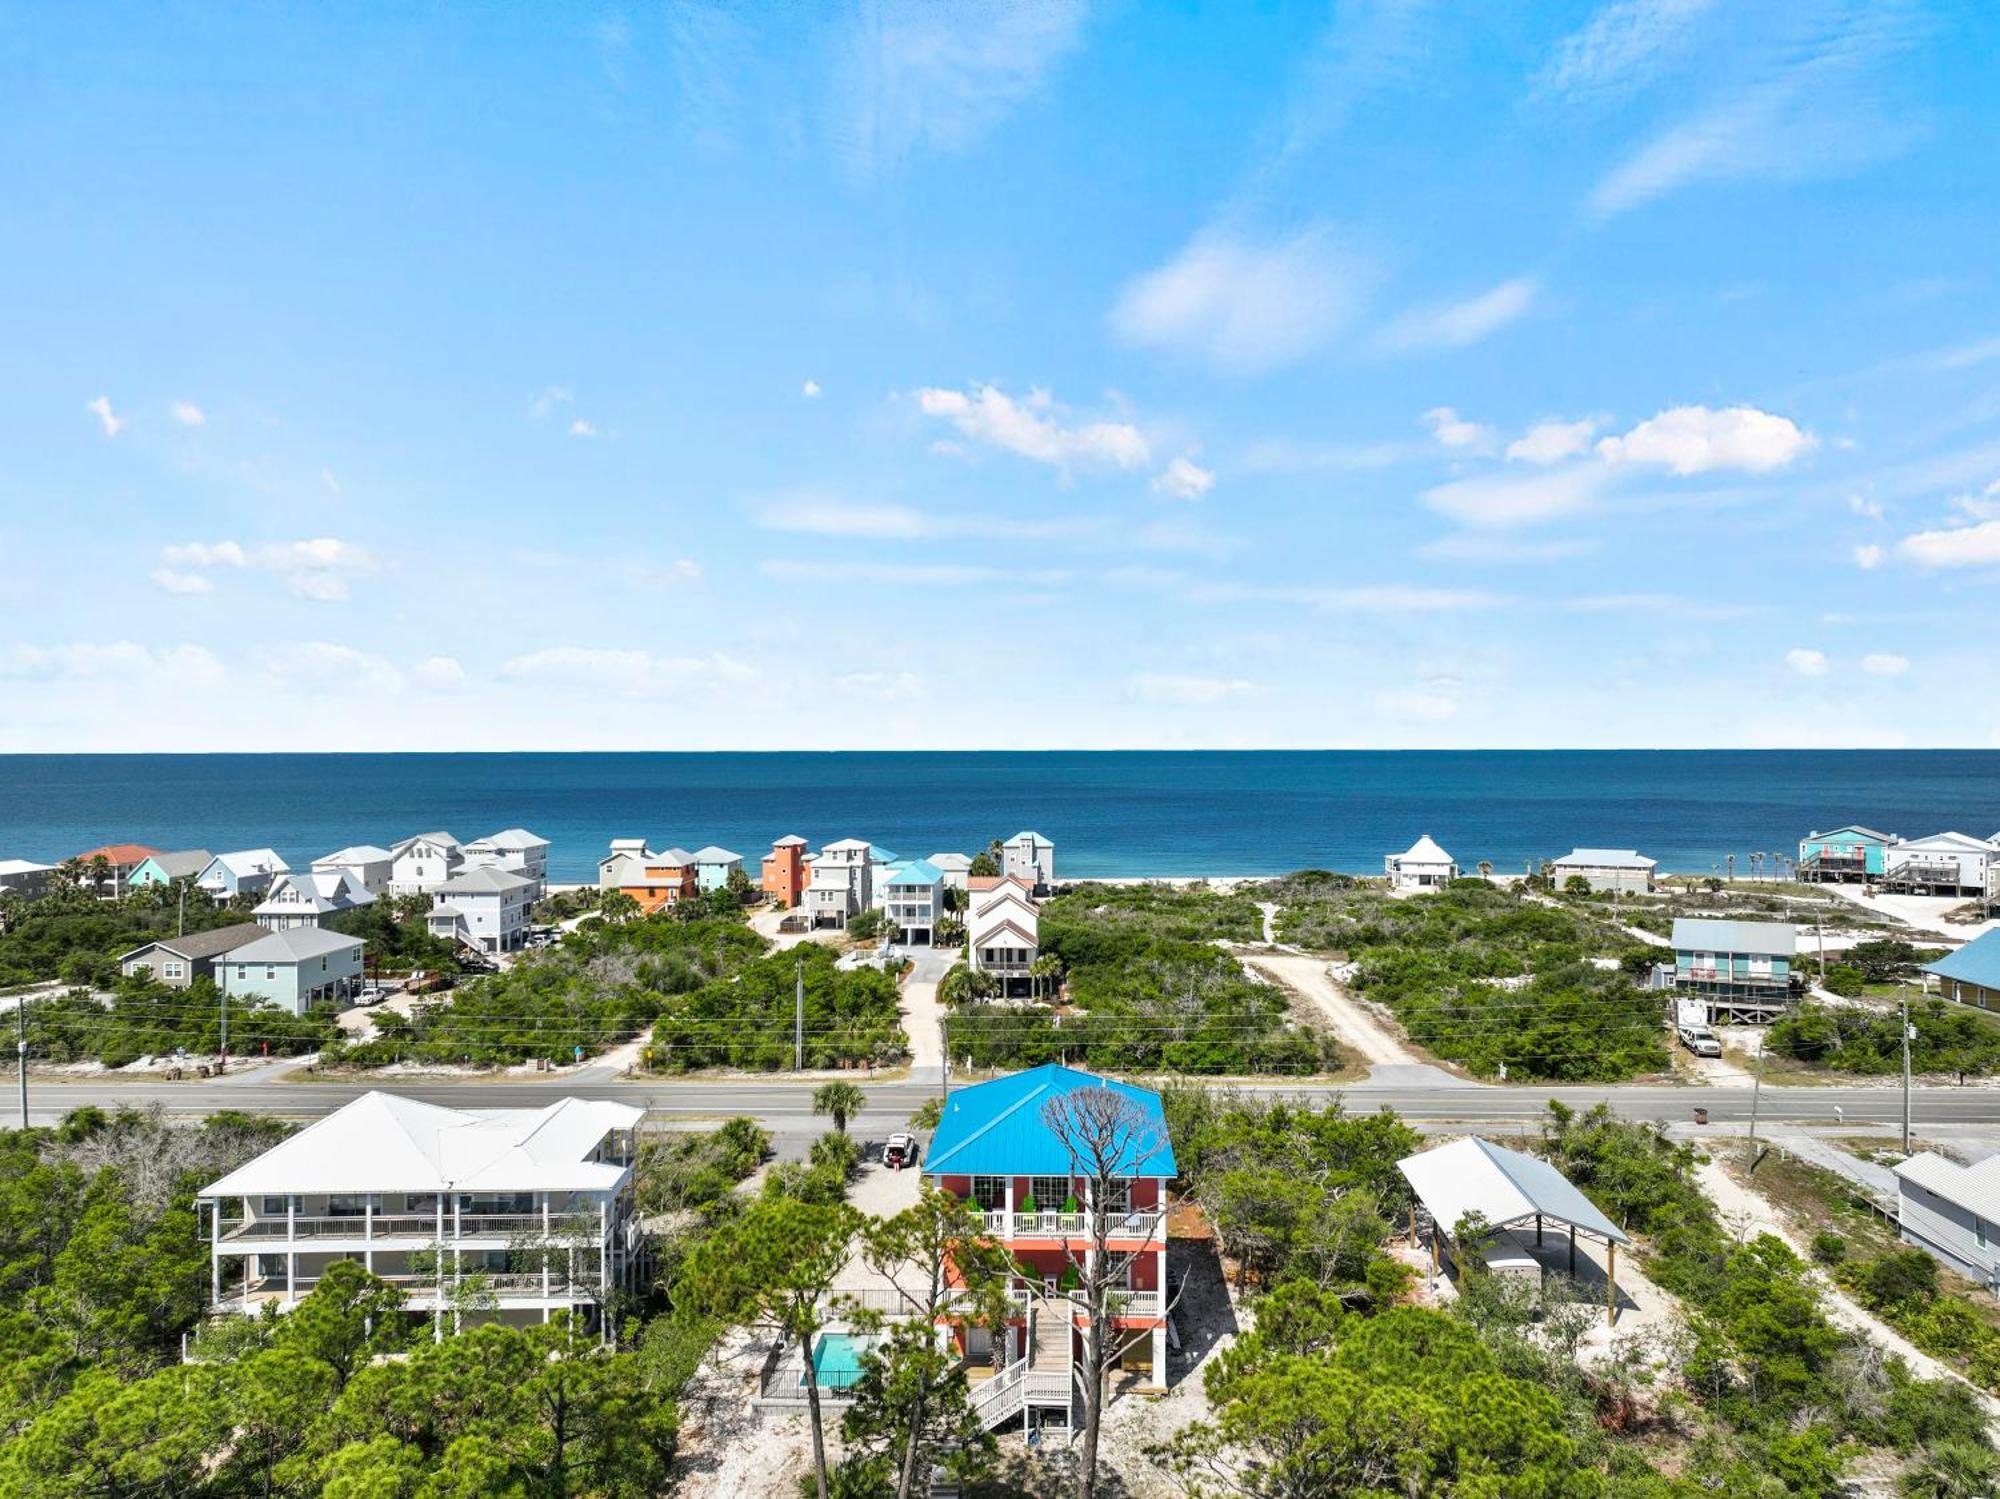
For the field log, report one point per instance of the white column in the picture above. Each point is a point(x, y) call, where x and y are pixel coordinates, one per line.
point(215, 1251)
point(1160, 1354)
point(545, 1255)
point(291, 1248)
point(437, 1308)
point(368, 1232)
point(1007, 1223)
point(604, 1268)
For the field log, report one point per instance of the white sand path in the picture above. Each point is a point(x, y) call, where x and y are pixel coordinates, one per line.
point(1747, 1213)
point(1356, 1027)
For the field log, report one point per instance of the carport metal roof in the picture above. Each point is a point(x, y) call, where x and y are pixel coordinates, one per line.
point(1502, 1186)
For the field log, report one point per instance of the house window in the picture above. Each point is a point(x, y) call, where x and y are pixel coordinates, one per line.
point(1118, 1195)
point(1983, 1231)
point(990, 1192)
point(170, 970)
point(349, 1205)
point(272, 1207)
point(1051, 1192)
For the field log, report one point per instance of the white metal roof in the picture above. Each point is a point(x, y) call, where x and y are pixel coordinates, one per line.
point(1424, 851)
point(514, 838)
point(444, 840)
point(385, 1143)
point(1974, 1188)
point(252, 861)
point(951, 863)
point(1607, 858)
point(714, 855)
point(293, 945)
point(359, 853)
point(1500, 1185)
point(1952, 842)
point(23, 866)
point(487, 879)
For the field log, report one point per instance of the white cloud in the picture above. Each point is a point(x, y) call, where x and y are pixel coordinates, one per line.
point(910, 574)
point(1885, 664)
point(1454, 431)
point(122, 661)
point(439, 674)
point(544, 403)
point(1282, 455)
point(1378, 598)
point(1868, 556)
point(1242, 306)
point(1031, 427)
point(1696, 440)
point(810, 390)
point(109, 421)
point(1427, 704)
point(582, 428)
point(631, 672)
point(1806, 663)
point(1954, 546)
point(1789, 93)
point(1454, 325)
point(188, 414)
point(1551, 442)
point(1184, 479)
point(810, 514)
point(880, 686)
point(937, 75)
point(1864, 507)
point(1468, 546)
point(687, 567)
point(1500, 501)
point(1622, 44)
point(322, 665)
point(181, 582)
point(1187, 691)
point(319, 569)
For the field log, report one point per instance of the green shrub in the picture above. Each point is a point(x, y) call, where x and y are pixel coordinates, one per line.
point(1828, 1248)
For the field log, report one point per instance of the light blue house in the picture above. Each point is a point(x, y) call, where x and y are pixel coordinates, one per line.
point(1852, 853)
point(247, 871)
point(295, 969)
point(164, 869)
point(915, 900)
point(713, 866)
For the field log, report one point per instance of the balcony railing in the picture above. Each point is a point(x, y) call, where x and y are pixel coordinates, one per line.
point(508, 1283)
point(409, 1226)
point(1139, 1225)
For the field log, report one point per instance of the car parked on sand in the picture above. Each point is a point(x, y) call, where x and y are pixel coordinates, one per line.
point(901, 1151)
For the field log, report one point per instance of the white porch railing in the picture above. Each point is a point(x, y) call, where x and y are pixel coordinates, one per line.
point(1075, 1226)
point(408, 1226)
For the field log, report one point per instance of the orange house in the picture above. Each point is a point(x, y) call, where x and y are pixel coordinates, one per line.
point(785, 871)
point(654, 880)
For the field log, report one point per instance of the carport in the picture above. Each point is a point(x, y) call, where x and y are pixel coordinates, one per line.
point(1504, 1189)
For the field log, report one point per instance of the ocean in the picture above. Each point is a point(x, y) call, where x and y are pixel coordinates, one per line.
point(1110, 813)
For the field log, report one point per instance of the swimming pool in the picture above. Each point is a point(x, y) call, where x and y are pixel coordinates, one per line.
point(837, 1359)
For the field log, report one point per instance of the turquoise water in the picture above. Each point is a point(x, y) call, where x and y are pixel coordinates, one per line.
point(837, 1358)
point(1112, 813)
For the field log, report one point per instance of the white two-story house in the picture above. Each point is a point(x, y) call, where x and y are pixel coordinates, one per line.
point(308, 899)
point(1031, 857)
point(247, 871)
point(1002, 929)
point(487, 1214)
point(485, 909)
point(515, 850)
point(371, 866)
point(425, 862)
point(914, 901)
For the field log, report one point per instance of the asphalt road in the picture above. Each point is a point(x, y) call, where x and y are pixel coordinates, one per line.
point(785, 1106)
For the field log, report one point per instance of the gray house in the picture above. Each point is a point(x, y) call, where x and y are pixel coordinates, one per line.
point(1615, 871)
point(295, 969)
point(179, 961)
point(1952, 1212)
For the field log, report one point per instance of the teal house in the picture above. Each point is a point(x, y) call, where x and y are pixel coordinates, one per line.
point(1854, 853)
point(164, 869)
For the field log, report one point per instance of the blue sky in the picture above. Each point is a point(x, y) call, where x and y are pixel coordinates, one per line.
point(938, 376)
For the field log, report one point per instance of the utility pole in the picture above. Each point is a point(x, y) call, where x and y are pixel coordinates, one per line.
point(222, 1002)
point(1904, 995)
point(1756, 1096)
point(799, 1020)
point(181, 924)
point(21, 1053)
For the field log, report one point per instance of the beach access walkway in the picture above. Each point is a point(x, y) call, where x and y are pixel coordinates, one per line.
point(1354, 1025)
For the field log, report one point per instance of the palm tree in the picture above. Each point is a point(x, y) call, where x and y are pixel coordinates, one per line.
point(842, 1100)
point(1046, 971)
point(616, 905)
point(1486, 869)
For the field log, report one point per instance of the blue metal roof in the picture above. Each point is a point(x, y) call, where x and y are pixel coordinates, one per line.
point(1978, 962)
point(916, 872)
point(996, 1128)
